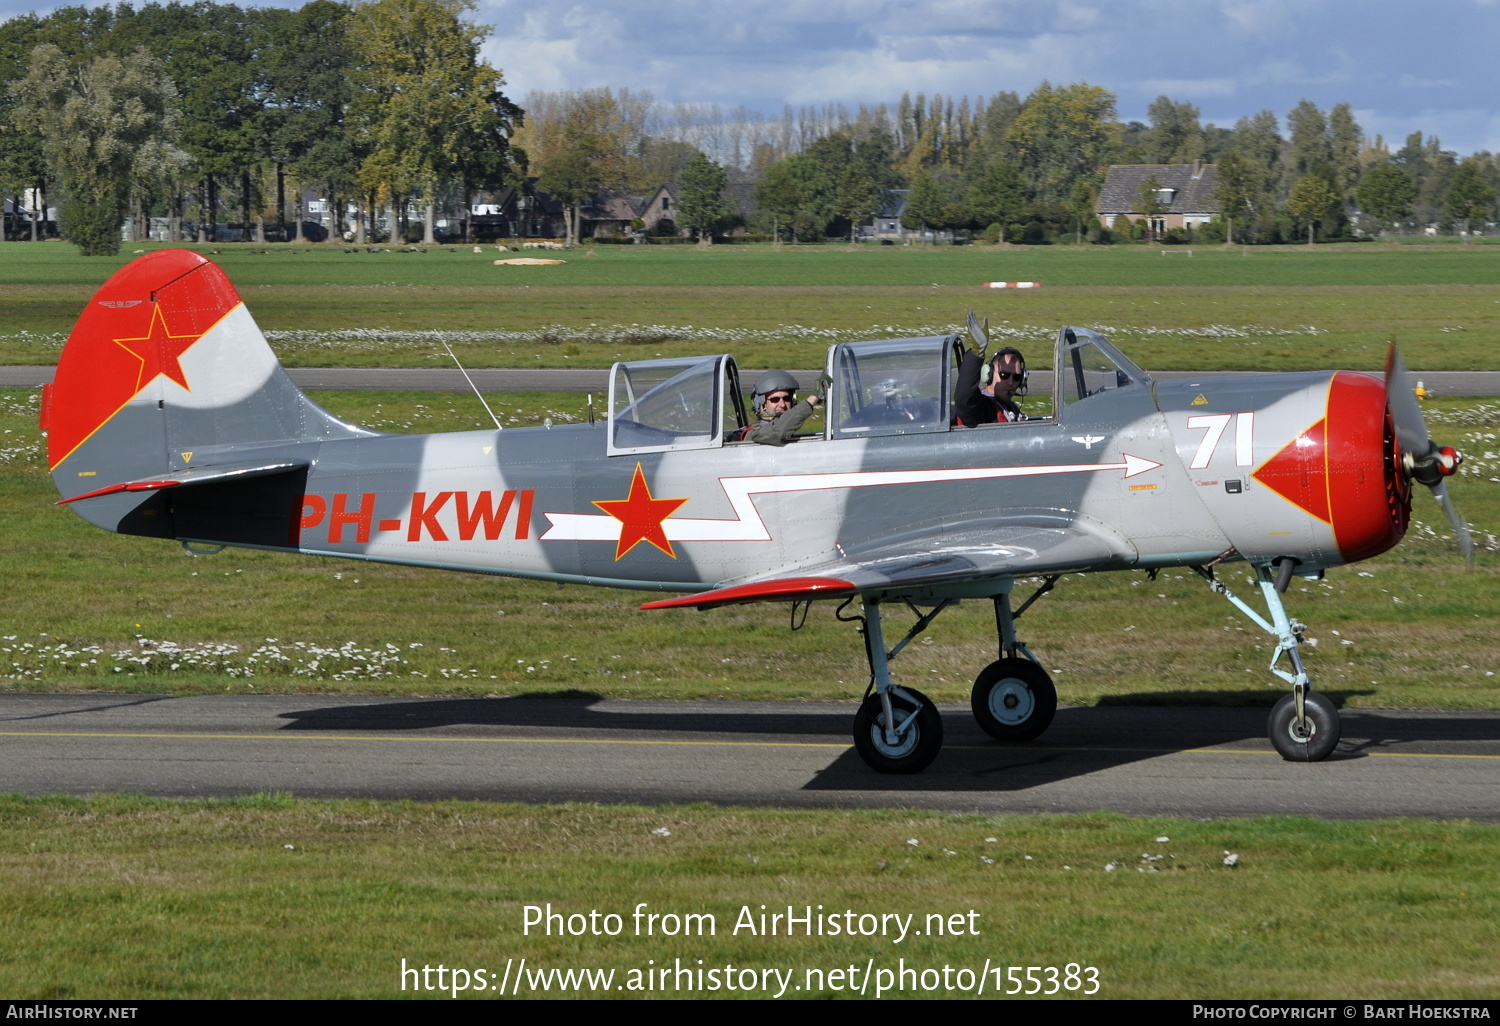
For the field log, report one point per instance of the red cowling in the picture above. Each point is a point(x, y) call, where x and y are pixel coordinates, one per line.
point(1346, 469)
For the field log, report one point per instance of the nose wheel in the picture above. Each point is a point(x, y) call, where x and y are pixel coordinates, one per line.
point(1314, 738)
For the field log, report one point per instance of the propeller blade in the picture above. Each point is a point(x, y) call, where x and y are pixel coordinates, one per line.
point(1417, 444)
point(1411, 428)
point(1460, 529)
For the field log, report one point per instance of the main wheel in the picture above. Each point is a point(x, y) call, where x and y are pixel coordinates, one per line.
point(1308, 743)
point(914, 750)
point(1013, 700)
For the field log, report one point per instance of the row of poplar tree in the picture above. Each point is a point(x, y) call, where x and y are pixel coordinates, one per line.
point(209, 109)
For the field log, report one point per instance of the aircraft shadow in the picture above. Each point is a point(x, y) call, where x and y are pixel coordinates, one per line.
point(565, 710)
point(1081, 740)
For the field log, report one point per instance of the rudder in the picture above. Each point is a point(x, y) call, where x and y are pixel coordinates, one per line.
point(167, 381)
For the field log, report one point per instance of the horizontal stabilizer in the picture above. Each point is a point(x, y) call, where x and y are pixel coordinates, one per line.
point(203, 476)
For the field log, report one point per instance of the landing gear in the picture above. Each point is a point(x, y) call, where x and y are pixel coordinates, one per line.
point(913, 742)
point(899, 730)
point(1304, 725)
point(1309, 739)
point(1013, 700)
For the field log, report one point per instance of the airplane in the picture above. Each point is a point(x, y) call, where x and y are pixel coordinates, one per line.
point(170, 417)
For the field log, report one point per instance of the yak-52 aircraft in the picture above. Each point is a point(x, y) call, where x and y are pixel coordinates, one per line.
point(170, 417)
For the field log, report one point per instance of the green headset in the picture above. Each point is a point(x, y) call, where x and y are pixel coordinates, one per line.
point(989, 367)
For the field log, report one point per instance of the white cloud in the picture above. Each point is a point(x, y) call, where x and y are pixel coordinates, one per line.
point(1229, 57)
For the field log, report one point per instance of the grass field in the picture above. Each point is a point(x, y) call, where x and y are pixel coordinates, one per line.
point(1278, 308)
point(268, 897)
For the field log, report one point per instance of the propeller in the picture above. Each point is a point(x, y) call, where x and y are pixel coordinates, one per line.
point(1422, 459)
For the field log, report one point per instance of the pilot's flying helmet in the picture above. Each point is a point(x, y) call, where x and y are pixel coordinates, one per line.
point(771, 381)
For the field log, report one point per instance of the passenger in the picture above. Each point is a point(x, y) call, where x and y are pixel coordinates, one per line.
point(778, 414)
point(986, 392)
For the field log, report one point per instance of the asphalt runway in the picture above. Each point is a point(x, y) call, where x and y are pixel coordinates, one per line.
point(1185, 762)
point(419, 379)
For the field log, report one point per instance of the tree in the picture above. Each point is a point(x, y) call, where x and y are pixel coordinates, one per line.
point(1313, 198)
point(815, 189)
point(1062, 134)
point(926, 203)
point(307, 74)
point(573, 177)
point(700, 198)
point(426, 97)
point(778, 195)
point(856, 197)
point(1345, 137)
point(102, 123)
point(1387, 193)
point(1257, 143)
point(23, 167)
point(1469, 196)
point(1236, 190)
point(1311, 147)
point(997, 195)
point(1175, 136)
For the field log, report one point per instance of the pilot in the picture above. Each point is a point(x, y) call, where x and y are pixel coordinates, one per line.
point(986, 392)
point(778, 414)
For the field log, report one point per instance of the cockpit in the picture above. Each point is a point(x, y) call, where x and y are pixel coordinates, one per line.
point(884, 387)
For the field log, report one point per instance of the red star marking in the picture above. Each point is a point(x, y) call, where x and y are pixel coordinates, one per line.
point(160, 352)
point(640, 517)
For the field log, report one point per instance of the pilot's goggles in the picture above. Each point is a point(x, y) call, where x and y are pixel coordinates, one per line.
point(785, 397)
point(1009, 375)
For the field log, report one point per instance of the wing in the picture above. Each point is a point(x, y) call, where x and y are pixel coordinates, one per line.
point(925, 564)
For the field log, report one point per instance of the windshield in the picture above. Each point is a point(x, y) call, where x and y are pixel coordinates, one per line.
point(665, 404)
point(892, 387)
point(1088, 364)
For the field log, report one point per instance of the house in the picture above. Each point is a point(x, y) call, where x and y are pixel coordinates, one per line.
point(611, 213)
point(1184, 198)
point(886, 224)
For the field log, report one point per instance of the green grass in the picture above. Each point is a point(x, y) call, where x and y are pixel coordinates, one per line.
point(1419, 626)
point(688, 266)
point(1216, 311)
point(268, 897)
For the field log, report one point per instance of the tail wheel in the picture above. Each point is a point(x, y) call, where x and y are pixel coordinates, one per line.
point(1013, 700)
point(914, 748)
point(1311, 740)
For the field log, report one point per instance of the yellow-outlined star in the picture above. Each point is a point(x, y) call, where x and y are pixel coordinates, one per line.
point(160, 351)
point(640, 517)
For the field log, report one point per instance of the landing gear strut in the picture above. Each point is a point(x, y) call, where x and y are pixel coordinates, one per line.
point(899, 730)
point(1304, 725)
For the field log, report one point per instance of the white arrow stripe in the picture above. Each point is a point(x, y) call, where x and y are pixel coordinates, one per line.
point(748, 526)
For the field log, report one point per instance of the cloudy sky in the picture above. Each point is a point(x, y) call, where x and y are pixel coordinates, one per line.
point(1404, 66)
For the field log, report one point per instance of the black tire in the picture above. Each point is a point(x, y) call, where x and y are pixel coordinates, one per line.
point(915, 750)
point(1315, 742)
point(1013, 700)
